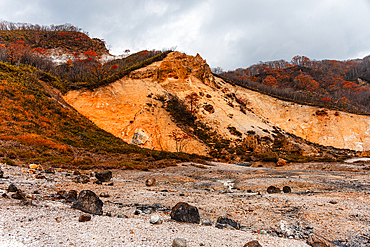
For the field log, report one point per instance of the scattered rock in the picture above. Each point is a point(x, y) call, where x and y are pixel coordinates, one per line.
point(287, 229)
point(58, 219)
point(110, 184)
point(317, 241)
point(1, 174)
point(38, 176)
point(81, 179)
point(253, 243)
point(4, 195)
point(333, 202)
point(84, 217)
point(224, 221)
point(273, 189)
point(19, 196)
point(109, 214)
point(140, 137)
point(98, 182)
point(287, 189)
point(71, 196)
point(155, 219)
point(76, 173)
point(150, 182)
point(281, 162)
point(62, 193)
point(49, 170)
point(89, 202)
point(12, 188)
point(122, 216)
point(104, 194)
point(179, 242)
point(207, 223)
point(184, 212)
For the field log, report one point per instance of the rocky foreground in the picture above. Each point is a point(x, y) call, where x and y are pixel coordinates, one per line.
point(259, 204)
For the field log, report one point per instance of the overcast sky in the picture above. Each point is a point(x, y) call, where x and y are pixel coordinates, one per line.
point(230, 34)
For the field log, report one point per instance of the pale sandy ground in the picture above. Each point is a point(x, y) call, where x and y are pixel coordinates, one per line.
point(331, 200)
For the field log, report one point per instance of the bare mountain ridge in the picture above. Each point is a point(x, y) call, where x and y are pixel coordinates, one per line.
point(134, 109)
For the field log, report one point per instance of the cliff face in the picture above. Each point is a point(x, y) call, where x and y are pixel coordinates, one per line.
point(133, 109)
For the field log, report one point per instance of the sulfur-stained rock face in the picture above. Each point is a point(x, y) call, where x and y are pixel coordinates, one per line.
point(133, 109)
point(181, 67)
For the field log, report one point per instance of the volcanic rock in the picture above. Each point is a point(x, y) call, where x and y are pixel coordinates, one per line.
point(71, 196)
point(81, 179)
point(104, 176)
point(49, 170)
point(84, 217)
point(12, 188)
point(184, 212)
point(104, 194)
point(19, 195)
point(253, 243)
point(63, 194)
point(287, 189)
point(179, 242)
point(150, 182)
point(89, 202)
point(226, 221)
point(273, 189)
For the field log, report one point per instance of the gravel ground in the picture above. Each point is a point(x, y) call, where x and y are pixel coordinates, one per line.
point(330, 200)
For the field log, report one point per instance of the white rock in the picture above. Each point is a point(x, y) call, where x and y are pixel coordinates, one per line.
point(155, 219)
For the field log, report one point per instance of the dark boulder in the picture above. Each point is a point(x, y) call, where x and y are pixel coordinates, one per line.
point(1, 174)
point(104, 176)
point(184, 212)
point(88, 202)
point(12, 188)
point(226, 221)
point(287, 189)
point(273, 189)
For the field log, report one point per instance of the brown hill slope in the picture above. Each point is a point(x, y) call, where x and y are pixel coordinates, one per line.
point(37, 125)
point(215, 117)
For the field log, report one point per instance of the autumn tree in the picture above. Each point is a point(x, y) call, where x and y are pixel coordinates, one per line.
point(180, 138)
point(306, 82)
point(270, 80)
point(192, 99)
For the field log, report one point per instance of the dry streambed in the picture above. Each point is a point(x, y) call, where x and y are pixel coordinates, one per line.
point(329, 200)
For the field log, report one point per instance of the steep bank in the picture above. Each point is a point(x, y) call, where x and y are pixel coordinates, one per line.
point(133, 109)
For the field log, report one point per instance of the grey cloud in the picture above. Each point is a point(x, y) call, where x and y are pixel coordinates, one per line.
point(229, 34)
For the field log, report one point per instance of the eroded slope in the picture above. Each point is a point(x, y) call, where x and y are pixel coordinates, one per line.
point(133, 109)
